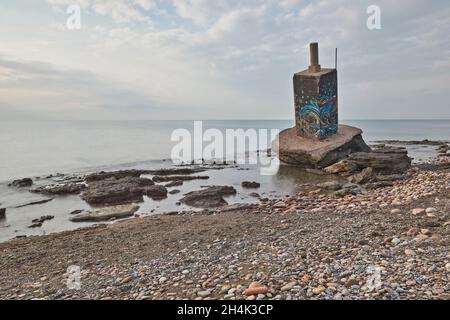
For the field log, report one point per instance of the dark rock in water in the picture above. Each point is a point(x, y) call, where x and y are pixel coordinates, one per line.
point(211, 197)
point(114, 191)
point(156, 192)
point(250, 185)
point(106, 214)
point(175, 171)
point(385, 161)
point(176, 183)
point(60, 189)
point(98, 176)
point(42, 219)
point(255, 195)
point(2, 213)
point(34, 203)
point(178, 178)
point(307, 153)
point(425, 142)
point(35, 225)
point(176, 191)
point(362, 177)
point(21, 183)
point(76, 212)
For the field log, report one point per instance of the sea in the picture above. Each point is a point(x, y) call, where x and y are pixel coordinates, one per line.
point(39, 149)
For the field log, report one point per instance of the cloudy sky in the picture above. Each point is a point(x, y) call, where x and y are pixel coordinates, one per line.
point(219, 59)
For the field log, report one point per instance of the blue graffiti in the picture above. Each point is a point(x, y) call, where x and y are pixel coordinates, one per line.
point(319, 117)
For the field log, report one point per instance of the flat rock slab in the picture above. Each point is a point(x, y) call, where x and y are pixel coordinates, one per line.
point(106, 214)
point(211, 197)
point(308, 153)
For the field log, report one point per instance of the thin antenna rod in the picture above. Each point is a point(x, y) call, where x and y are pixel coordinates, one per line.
point(335, 59)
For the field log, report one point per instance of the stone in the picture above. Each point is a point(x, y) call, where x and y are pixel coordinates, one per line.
point(2, 213)
point(175, 171)
point(21, 183)
point(362, 177)
point(343, 166)
point(98, 176)
point(204, 293)
point(61, 188)
point(178, 178)
point(418, 212)
point(238, 207)
point(112, 191)
point(175, 183)
point(410, 252)
point(250, 185)
point(106, 213)
point(300, 151)
point(176, 191)
point(34, 203)
point(288, 286)
point(256, 290)
point(431, 210)
point(330, 185)
point(211, 197)
point(396, 211)
point(318, 290)
point(156, 192)
point(385, 160)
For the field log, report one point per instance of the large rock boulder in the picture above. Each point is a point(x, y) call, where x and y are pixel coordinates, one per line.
point(114, 191)
point(211, 197)
point(21, 183)
point(299, 151)
point(383, 160)
point(106, 214)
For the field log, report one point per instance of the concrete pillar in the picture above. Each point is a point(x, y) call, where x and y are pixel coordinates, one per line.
point(316, 99)
point(314, 58)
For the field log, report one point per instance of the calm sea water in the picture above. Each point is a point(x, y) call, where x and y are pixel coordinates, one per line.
point(40, 148)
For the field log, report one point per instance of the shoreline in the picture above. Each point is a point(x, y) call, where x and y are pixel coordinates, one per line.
point(306, 246)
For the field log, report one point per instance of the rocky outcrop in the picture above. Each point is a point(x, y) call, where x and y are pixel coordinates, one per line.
point(343, 166)
point(175, 183)
point(61, 188)
point(21, 183)
point(250, 185)
point(211, 197)
point(175, 171)
point(106, 214)
point(156, 192)
point(112, 191)
point(37, 223)
point(383, 160)
point(178, 178)
point(34, 203)
point(362, 177)
point(299, 151)
point(98, 176)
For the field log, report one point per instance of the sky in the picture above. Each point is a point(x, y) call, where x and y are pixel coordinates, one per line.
point(219, 59)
